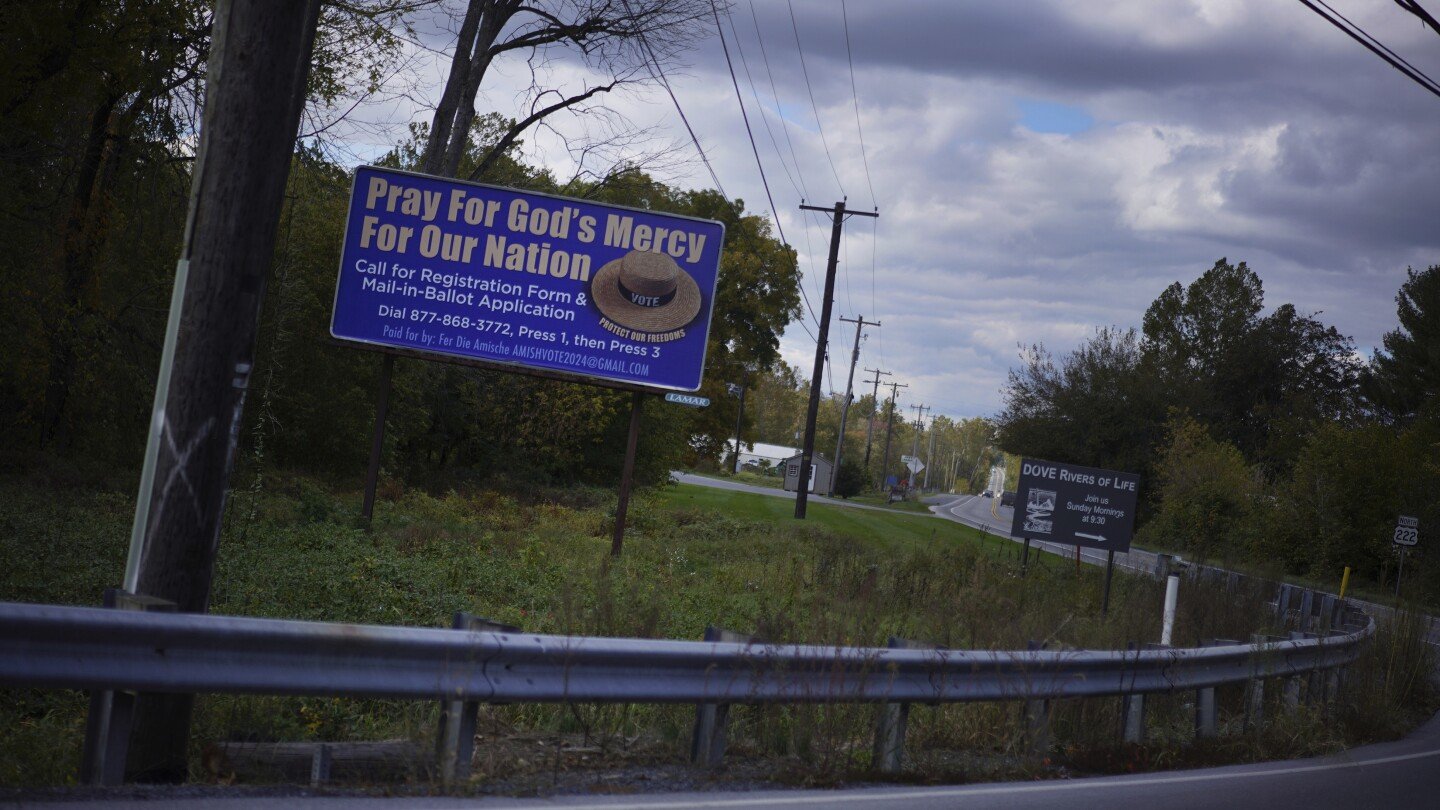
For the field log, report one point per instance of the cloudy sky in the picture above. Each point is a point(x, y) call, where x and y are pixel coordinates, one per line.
point(1043, 167)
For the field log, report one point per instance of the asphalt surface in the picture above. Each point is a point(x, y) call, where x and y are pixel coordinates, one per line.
point(720, 483)
point(1397, 775)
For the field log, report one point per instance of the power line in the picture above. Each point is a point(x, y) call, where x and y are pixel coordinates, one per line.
point(1376, 41)
point(1395, 61)
point(755, 94)
point(795, 26)
point(746, 118)
point(855, 94)
point(739, 99)
point(775, 94)
point(652, 66)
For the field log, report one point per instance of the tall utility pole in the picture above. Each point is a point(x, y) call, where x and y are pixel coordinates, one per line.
point(889, 425)
point(739, 418)
point(860, 323)
point(919, 428)
point(254, 93)
point(929, 455)
point(807, 450)
point(874, 410)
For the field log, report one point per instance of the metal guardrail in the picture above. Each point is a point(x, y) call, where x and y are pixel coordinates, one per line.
point(118, 653)
point(89, 648)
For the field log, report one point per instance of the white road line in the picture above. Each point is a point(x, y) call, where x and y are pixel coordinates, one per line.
point(1100, 783)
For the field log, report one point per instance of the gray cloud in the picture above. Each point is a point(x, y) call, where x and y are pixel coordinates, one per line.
point(1222, 128)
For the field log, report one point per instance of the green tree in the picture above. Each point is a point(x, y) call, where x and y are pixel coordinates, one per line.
point(1207, 494)
point(1403, 379)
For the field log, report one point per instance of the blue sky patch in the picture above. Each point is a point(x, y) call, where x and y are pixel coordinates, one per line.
point(1048, 116)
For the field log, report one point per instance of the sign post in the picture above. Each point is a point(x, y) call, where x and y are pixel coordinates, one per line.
point(1407, 534)
point(1079, 506)
point(526, 283)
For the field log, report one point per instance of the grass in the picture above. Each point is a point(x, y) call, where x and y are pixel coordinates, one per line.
point(888, 529)
point(693, 557)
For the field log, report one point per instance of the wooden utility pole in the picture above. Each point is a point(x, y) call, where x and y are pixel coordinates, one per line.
point(929, 455)
point(259, 63)
point(860, 323)
point(739, 420)
point(807, 450)
point(874, 410)
point(919, 428)
point(889, 426)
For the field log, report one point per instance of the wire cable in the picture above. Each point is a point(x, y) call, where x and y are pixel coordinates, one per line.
point(805, 72)
point(1415, 75)
point(855, 94)
point(744, 116)
point(755, 94)
point(775, 94)
point(652, 66)
point(1376, 41)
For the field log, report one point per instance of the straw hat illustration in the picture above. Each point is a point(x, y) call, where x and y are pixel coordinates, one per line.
point(645, 291)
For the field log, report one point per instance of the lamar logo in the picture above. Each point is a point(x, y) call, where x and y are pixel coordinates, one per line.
point(1039, 506)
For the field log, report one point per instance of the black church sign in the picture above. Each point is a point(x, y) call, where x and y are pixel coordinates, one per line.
point(1077, 506)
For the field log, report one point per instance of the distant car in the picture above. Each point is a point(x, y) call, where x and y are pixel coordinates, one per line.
point(1007, 498)
point(987, 494)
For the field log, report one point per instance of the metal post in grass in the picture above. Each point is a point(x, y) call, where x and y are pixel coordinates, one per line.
point(1109, 575)
point(707, 742)
point(892, 719)
point(455, 736)
point(112, 711)
point(1037, 718)
point(627, 474)
point(1307, 606)
point(1132, 715)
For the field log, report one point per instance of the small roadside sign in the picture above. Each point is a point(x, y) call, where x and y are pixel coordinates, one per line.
point(1407, 531)
point(687, 399)
point(1078, 506)
point(913, 463)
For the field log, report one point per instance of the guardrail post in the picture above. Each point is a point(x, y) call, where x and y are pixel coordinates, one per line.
point(1206, 713)
point(1307, 607)
point(1326, 622)
point(1037, 718)
point(320, 766)
point(1255, 693)
point(1282, 604)
point(1132, 712)
point(455, 736)
point(707, 743)
point(107, 726)
point(891, 720)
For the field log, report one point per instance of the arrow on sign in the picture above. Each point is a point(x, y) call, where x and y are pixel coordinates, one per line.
point(1097, 538)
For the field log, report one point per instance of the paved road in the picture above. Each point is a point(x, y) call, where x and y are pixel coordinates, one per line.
point(1397, 776)
point(988, 514)
point(720, 483)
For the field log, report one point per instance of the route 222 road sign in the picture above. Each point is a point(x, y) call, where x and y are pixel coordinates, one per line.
point(1407, 531)
point(1077, 506)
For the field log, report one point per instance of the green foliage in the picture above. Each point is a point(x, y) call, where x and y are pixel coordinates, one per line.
point(1403, 379)
point(1207, 495)
point(850, 479)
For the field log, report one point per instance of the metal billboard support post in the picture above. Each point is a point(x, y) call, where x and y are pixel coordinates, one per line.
point(627, 473)
point(1109, 575)
point(1398, 572)
point(1025, 558)
point(377, 439)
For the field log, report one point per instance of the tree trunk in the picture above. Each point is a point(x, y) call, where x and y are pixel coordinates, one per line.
point(75, 267)
point(444, 119)
point(258, 66)
point(494, 20)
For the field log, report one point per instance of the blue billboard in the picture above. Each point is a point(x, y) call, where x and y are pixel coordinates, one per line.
point(545, 283)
